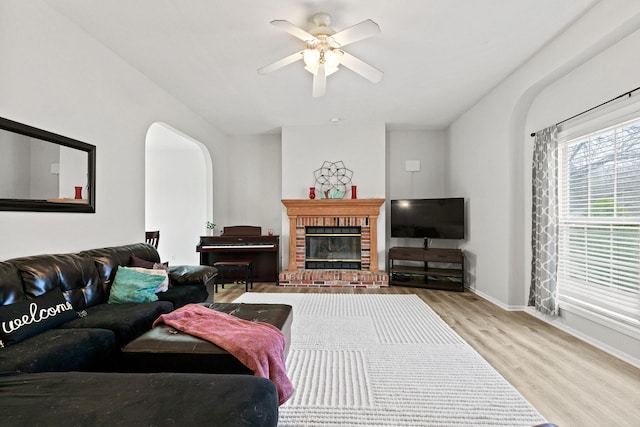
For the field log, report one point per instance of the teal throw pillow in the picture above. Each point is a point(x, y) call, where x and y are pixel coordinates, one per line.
point(134, 286)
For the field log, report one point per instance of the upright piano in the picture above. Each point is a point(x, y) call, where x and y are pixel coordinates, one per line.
point(243, 242)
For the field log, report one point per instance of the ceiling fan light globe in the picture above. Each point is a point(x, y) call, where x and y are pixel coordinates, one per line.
point(332, 58)
point(311, 57)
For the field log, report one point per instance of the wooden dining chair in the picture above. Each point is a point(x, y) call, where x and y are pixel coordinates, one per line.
point(152, 238)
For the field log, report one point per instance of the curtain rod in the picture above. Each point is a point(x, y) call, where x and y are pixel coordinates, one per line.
point(597, 106)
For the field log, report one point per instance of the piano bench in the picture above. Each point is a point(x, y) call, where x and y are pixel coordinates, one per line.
point(223, 266)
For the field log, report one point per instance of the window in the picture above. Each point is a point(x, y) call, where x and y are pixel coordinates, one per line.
point(599, 222)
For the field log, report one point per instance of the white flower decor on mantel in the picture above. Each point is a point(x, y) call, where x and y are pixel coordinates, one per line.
point(332, 179)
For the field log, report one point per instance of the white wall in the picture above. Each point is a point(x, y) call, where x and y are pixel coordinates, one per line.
point(481, 175)
point(254, 182)
point(428, 147)
point(55, 77)
point(603, 77)
point(487, 160)
point(360, 146)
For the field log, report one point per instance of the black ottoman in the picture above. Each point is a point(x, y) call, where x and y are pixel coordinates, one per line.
point(163, 349)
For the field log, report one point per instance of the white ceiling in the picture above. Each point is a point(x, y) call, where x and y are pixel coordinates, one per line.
point(439, 57)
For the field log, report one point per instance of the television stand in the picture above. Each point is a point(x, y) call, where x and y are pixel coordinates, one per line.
point(441, 269)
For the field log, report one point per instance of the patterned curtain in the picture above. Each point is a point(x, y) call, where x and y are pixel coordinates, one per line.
point(544, 224)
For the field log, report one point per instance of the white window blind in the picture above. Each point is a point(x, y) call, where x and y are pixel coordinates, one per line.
point(599, 222)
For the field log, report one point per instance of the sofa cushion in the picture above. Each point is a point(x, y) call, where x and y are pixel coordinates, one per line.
point(130, 285)
point(112, 399)
point(11, 289)
point(24, 319)
point(127, 321)
point(76, 275)
point(181, 275)
point(61, 350)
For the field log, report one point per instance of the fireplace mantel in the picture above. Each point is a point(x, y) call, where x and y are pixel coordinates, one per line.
point(356, 208)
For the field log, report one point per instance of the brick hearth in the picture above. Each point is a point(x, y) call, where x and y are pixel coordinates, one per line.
point(334, 278)
point(333, 212)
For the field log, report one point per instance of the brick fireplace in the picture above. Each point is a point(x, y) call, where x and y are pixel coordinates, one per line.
point(307, 215)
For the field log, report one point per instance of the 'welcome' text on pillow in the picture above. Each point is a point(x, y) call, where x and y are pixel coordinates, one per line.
point(35, 316)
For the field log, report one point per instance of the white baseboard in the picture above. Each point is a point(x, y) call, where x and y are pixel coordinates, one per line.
point(496, 302)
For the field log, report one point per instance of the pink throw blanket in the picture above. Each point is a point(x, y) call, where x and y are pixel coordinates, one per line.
point(258, 345)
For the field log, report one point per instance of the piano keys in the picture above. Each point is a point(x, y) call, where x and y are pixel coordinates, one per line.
point(240, 246)
point(243, 243)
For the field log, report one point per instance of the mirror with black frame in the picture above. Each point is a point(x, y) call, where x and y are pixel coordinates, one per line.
point(42, 171)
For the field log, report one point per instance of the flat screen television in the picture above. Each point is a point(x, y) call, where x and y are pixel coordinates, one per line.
point(428, 218)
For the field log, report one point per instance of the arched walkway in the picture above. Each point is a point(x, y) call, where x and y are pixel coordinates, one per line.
point(178, 191)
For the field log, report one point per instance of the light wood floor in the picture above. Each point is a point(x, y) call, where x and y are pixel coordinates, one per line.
point(569, 382)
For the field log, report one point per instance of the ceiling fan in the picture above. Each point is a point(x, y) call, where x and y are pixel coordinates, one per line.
point(323, 51)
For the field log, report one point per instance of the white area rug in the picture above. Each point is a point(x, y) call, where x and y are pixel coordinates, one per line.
point(387, 360)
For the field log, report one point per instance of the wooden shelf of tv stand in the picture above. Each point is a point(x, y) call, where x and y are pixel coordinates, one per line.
point(428, 276)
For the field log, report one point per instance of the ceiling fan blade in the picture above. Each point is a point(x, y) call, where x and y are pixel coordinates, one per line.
point(293, 30)
point(281, 63)
point(365, 70)
point(356, 32)
point(319, 82)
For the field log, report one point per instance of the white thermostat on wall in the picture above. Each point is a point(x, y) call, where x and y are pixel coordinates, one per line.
point(412, 165)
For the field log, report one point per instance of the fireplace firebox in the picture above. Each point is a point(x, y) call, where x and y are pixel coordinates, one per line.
point(332, 248)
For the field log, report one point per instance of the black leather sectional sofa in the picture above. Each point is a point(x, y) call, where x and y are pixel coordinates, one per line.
point(61, 349)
